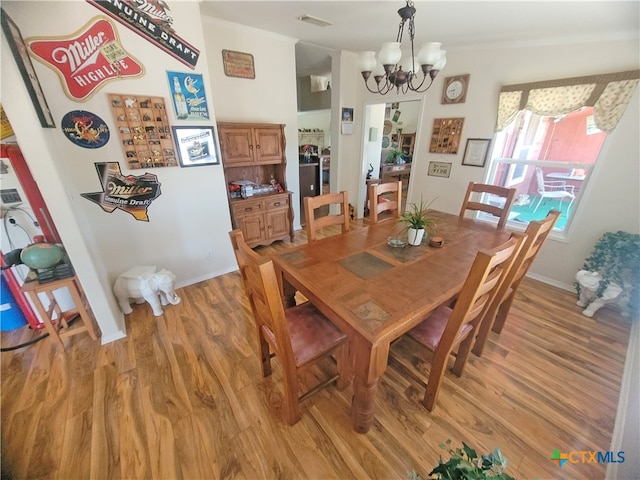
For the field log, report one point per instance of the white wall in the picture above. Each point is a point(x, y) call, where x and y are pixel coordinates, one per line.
point(317, 119)
point(269, 98)
point(191, 216)
point(614, 192)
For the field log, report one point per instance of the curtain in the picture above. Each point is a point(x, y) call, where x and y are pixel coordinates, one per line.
point(608, 94)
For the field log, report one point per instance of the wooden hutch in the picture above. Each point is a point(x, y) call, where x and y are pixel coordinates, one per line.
point(253, 152)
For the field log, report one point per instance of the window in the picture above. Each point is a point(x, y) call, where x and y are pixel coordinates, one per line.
point(548, 139)
point(548, 160)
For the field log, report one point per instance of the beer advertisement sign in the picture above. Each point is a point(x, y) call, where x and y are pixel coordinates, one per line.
point(85, 129)
point(133, 194)
point(187, 92)
point(87, 59)
point(150, 20)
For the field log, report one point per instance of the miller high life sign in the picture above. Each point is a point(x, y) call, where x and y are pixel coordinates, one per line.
point(86, 60)
point(150, 20)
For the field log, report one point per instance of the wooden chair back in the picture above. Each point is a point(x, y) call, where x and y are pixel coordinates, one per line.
point(297, 336)
point(449, 327)
point(501, 211)
point(496, 316)
point(369, 182)
point(380, 200)
point(314, 224)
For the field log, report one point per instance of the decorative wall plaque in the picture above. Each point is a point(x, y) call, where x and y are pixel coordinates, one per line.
point(446, 135)
point(144, 130)
point(238, 64)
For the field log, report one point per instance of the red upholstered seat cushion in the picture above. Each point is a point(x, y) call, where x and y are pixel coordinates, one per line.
point(311, 333)
point(430, 331)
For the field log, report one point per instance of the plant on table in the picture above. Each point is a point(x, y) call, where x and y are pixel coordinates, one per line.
point(464, 464)
point(415, 219)
point(394, 155)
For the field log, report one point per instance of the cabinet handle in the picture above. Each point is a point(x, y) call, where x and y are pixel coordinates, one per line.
point(276, 204)
point(248, 209)
point(250, 147)
point(269, 227)
point(258, 146)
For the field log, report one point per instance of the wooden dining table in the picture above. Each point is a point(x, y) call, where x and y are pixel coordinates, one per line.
point(376, 293)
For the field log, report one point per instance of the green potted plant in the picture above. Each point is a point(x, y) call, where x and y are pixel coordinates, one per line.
point(394, 156)
point(616, 257)
point(415, 221)
point(464, 464)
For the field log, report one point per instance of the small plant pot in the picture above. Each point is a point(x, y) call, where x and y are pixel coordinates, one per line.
point(415, 236)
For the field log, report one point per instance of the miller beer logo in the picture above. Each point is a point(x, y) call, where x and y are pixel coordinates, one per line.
point(87, 60)
point(149, 19)
point(132, 193)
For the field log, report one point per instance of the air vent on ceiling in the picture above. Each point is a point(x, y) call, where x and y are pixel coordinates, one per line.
point(314, 20)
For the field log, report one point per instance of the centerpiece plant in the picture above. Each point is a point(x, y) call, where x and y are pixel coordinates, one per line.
point(416, 220)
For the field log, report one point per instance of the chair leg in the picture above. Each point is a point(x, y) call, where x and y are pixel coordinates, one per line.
point(503, 312)
point(343, 366)
point(265, 355)
point(436, 375)
point(538, 204)
point(483, 330)
point(463, 353)
point(291, 402)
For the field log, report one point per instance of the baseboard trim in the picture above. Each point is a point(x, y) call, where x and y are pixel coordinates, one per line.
point(113, 337)
point(550, 281)
point(208, 276)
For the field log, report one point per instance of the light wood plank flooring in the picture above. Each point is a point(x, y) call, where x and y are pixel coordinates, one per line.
point(182, 398)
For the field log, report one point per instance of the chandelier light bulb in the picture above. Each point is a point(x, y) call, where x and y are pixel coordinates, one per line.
point(390, 53)
point(429, 53)
point(367, 61)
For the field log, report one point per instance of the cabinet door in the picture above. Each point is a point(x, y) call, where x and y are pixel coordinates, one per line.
point(237, 145)
point(268, 145)
point(252, 228)
point(277, 223)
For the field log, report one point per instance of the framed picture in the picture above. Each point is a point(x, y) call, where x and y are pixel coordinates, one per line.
point(196, 146)
point(475, 153)
point(21, 55)
point(439, 169)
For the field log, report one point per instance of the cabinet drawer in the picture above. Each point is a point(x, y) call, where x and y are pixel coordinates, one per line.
point(281, 201)
point(248, 208)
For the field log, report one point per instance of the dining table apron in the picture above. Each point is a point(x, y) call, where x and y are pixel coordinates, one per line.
point(376, 293)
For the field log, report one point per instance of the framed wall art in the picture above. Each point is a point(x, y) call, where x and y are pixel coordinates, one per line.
point(439, 169)
point(144, 131)
point(196, 146)
point(446, 135)
point(475, 153)
point(20, 53)
point(238, 64)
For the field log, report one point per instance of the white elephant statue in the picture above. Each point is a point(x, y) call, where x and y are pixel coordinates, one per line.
point(144, 283)
point(589, 282)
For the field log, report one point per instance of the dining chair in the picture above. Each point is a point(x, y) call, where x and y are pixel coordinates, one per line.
point(498, 207)
point(557, 189)
point(449, 327)
point(496, 316)
point(369, 182)
point(299, 336)
point(380, 201)
point(314, 224)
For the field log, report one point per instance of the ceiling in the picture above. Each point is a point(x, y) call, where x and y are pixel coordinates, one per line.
point(365, 25)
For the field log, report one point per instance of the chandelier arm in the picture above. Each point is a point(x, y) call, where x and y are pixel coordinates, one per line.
point(417, 89)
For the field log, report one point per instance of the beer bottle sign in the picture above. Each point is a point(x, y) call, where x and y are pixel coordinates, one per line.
point(189, 100)
point(182, 111)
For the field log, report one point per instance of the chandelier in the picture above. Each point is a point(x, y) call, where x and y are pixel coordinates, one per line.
point(388, 67)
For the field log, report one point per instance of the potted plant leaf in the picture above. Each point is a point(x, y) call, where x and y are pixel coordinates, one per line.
point(394, 156)
point(464, 464)
point(415, 221)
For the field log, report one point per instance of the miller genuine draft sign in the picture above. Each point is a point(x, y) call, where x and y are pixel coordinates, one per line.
point(132, 193)
point(88, 59)
point(150, 20)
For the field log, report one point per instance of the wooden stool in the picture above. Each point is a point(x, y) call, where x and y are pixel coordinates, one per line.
point(61, 328)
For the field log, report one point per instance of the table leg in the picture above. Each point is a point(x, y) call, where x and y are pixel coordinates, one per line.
point(362, 404)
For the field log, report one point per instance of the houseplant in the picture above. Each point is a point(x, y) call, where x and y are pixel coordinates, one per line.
point(464, 464)
point(415, 221)
point(394, 156)
point(616, 257)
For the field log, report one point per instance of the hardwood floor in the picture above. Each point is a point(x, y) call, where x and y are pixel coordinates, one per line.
point(182, 397)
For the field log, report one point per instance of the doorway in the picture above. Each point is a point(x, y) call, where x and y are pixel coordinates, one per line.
point(391, 134)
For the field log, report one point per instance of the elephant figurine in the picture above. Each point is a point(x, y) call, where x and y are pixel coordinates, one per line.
point(589, 283)
point(144, 283)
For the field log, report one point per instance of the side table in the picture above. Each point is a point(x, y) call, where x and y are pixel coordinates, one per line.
point(58, 327)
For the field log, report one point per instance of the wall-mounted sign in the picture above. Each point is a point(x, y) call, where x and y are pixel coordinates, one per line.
point(85, 129)
point(86, 60)
point(132, 193)
point(196, 146)
point(238, 64)
point(439, 169)
point(150, 20)
point(5, 126)
point(187, 92)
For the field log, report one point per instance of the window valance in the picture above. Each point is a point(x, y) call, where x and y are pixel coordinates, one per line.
point(608, 94)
